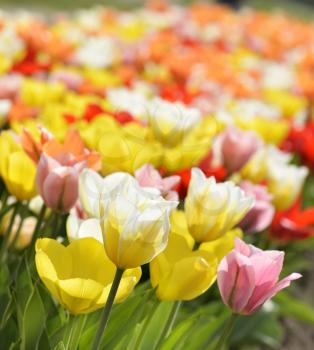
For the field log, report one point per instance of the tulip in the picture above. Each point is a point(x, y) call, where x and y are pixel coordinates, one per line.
point(58, 184)
point(293, 223)
point(285, 183)
point(93, 189)
point(237, 147)
point(260, 165)
point(179, 273)
point(16, 169)
point(80, 275)
point(248, 277)
point(135, 224)
point(219, 247)
point(300, 140)
point(127, 149)
point(171, 122)
point(148, 176)
point(211, 208)
point(72, 150)
point(262, 213)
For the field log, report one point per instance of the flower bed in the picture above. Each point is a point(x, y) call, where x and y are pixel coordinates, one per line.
point(160, 160)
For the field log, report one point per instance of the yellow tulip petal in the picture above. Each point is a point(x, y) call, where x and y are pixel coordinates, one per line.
point(58, 255)
point(79, 294)
point(90, 261)
point(47, 273)
point(188, 279)
point(223, 245)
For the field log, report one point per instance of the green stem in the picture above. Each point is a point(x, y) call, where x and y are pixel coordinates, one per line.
point(7, 234)
point(106, 312)
point(4, 200)
point(170, 322)
point(226, 332)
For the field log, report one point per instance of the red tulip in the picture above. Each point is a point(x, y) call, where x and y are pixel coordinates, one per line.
point(293, 223)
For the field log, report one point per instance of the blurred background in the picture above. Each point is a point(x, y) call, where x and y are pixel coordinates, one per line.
point(302, 8)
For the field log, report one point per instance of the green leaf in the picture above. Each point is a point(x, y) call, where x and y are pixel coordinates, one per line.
point(175, 339)
point(260, 328)
point(33, 321)
point(156, 325)
point(290, 306)
point(73, 331)
point(59, 346)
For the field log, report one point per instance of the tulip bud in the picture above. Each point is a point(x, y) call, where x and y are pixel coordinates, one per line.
point(213, 208)
point(135, 225)
point(237, 147)
point(57, 184)
point(261, 215)
point(16, 169)
point(248, 277)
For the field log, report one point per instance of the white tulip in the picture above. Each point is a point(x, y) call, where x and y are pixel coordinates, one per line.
point(285, 183)
point(211, 208)
point(171, 121)
point(94, 189)
point(135, 224)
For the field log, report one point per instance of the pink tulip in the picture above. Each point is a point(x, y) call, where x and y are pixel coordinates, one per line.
point(248, 277)
point(262, 213)
point(148, 176)
point(237, 147)
point(10, 86)
point(58, 184)
point(70, 79)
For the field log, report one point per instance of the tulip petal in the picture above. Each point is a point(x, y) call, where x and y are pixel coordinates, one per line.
point(188, 279)
point(93, 266)
point(252, 307)
point(236, 280)
point(77, 228)
point(79, 294)
point(58, 255)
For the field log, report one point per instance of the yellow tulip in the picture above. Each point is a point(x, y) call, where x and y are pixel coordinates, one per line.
point(127, 149)
point(16, 168)
point(179, 273)
point(101, 77)
point(80, 275)
point(38, 93)
point(212, 209)
point(223, 245)
point(288, 103)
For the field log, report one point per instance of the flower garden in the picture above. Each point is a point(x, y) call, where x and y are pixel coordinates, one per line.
point(156, 178)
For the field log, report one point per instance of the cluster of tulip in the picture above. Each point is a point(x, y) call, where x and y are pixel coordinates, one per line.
point(163, 137)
